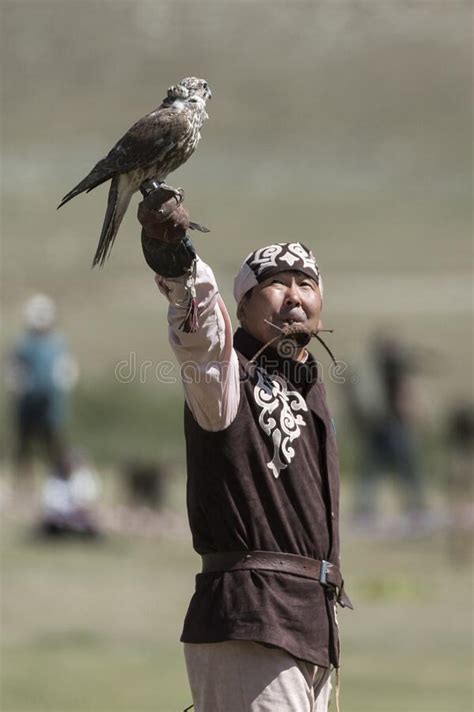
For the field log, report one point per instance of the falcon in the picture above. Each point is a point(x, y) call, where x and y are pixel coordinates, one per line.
point(153, 147)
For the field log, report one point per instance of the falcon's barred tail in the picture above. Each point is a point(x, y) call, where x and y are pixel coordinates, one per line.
point(117, 204)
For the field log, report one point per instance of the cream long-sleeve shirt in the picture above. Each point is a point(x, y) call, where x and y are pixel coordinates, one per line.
point(208, 362)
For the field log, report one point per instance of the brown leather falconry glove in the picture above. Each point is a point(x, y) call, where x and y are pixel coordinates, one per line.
point(166, 247)
point(165, 220)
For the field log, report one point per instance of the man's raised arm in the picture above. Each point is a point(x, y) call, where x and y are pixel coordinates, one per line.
point(200, 329)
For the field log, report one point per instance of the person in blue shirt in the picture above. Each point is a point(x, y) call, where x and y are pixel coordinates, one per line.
point(41, 375)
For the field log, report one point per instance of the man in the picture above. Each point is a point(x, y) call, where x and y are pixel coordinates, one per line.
point(260, 633)
point(385, 409)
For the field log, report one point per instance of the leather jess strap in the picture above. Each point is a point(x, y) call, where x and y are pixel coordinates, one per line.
point(325, 572)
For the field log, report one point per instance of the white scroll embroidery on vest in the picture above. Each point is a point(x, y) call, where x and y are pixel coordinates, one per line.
point(279, 417)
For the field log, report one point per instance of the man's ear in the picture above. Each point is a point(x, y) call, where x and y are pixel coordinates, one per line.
point(242, 307)
point(241, 310)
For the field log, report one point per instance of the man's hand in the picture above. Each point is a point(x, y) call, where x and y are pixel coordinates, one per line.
point(163, 215)
point(165, 220)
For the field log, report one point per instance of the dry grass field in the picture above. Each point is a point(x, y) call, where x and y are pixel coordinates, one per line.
point(95, 628)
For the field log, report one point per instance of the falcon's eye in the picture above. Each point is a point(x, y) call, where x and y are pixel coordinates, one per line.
point(206, 85)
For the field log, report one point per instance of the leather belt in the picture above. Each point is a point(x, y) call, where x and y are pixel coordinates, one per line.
point(325, 572)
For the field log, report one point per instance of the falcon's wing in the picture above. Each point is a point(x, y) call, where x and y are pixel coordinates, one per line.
point(142, 145)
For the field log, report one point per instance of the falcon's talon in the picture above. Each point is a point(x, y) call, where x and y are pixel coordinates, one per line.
point(178, 193)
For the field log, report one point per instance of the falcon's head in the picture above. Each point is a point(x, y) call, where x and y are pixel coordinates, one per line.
point(191, 89)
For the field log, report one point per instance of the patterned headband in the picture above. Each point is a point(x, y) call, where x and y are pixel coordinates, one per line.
point(270, 260)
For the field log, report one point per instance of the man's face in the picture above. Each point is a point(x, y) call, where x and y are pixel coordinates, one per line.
point(286, 298)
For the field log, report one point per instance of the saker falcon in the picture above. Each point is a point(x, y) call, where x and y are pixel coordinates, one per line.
point(156, 145)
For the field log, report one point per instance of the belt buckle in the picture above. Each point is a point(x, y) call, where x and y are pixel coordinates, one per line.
point(323, 572)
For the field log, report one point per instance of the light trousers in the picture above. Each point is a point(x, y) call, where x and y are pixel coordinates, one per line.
point(241, 676)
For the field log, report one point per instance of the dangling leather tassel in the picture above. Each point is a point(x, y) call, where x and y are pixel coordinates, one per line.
point(190, 322)
point(338, 688)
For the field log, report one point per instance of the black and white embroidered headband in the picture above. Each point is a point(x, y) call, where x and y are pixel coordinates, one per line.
point(267, 261)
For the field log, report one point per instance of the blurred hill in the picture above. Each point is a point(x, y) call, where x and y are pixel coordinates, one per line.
point(346, 125)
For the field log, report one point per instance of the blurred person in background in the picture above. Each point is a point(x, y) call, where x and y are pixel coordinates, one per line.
point(68, 498)
point(263, 481)
point(458, 481)
point(40, 376)
point(385, 405)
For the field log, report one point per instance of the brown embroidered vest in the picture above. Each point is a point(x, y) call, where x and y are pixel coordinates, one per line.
point(269, 481)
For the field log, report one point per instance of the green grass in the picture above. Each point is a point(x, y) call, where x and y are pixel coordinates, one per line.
point(95, 628)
